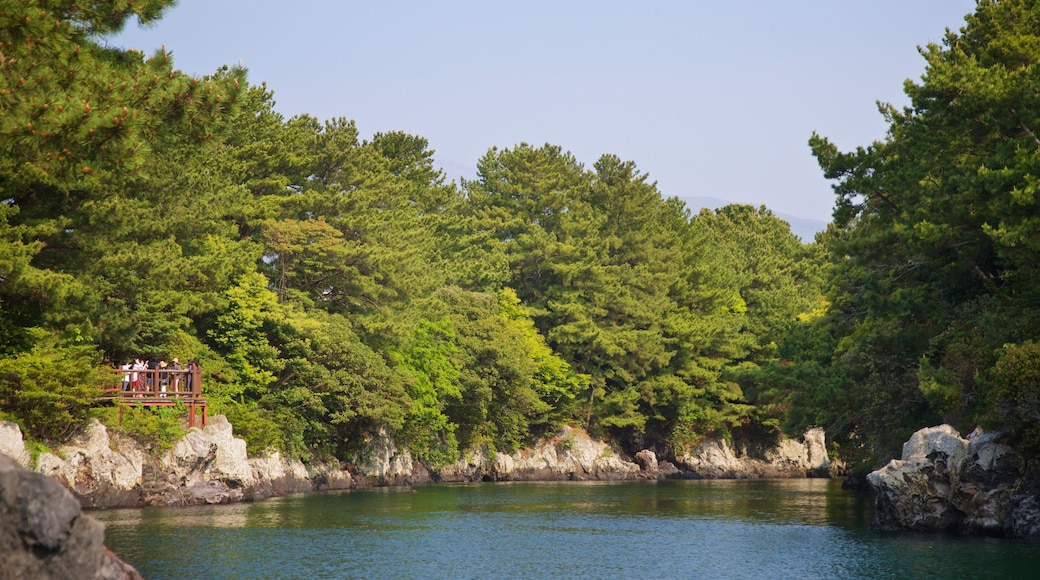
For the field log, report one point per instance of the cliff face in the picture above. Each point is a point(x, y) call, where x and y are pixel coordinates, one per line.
point(945, 483)
point(43, 534)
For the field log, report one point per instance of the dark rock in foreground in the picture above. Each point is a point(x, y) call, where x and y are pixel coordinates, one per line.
point(43, 533)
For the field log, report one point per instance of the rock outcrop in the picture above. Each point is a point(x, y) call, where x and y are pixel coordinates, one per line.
point(717, 459)
point(945, 483)
point(569, 455)
point(572, 455)
point(43, 533)
point(100, 472)
point(12, 444)
point(207, 466)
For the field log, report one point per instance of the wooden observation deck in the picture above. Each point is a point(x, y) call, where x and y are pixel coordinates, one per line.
point(160, 388)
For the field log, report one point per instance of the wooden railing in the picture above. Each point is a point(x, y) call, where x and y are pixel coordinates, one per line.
point(160, 387)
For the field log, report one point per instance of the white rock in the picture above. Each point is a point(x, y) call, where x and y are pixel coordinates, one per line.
point(13, 444)
point(229, 461)
point(943, 438)
point(384, 462)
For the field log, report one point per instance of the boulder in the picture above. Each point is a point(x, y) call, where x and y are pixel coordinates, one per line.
point(280, 475)
point(44, 534)
point(212, 453)
point(801, 457)
point(945, 483)
point(647, 461)
point(713, 459)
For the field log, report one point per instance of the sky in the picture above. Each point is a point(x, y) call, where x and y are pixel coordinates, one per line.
point(710, 99)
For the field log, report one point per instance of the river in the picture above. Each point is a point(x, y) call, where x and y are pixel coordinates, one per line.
point(805, 528)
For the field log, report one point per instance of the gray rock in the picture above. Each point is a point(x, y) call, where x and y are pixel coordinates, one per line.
point(383, 463)
point(100, 472)
point(715, 458)
point(210, 466)
point(569, 455)
point(647, 461)
point(43, 533)
point(944, 483)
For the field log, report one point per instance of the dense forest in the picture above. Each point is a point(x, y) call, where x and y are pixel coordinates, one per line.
point(334, 286)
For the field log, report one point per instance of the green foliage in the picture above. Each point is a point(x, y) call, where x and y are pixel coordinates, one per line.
point(499, 404)
point(50, 389)
point(934, 243)
point(157, 428)
point(779, 278)
point(334, 287)
point(431, 361)
point(240, 335)
point(35, 449)
point(1014, 393)
point(260, 430)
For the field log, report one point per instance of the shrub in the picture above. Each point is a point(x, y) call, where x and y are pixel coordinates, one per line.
point(1014, 392)
point(158, 428)
point(50, 389)
point(257, 428)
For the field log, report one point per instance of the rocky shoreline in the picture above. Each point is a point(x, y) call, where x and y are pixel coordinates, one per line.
point(210, 466)
point(943, 483)
point(44, 534)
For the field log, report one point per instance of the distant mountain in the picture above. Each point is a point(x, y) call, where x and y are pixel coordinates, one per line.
point(804, 228)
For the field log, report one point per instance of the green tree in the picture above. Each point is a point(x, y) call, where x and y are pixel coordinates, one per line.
point(50, 389)
point(932, 229)
point(778, 276)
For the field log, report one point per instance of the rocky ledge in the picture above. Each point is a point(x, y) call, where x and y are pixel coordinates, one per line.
point(945, 483)
point(43, 533)
point(210, 466)
point(571, 455)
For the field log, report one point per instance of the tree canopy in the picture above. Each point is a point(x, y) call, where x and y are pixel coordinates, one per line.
point(934, 242)
point(334, 286)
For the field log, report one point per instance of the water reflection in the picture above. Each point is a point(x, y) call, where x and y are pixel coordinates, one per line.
point(789, 528)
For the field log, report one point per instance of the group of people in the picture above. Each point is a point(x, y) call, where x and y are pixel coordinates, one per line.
point(159, 376)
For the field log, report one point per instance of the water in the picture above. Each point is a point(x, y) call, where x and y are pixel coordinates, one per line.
point(670, 529)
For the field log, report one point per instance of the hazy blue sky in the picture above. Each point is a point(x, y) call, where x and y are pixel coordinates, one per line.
point(712, 99)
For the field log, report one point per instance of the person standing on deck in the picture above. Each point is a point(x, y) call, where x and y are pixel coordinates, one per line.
point(151, 377)
point(126, 375)
point(164, 378)
point(135, 376)
point(176, 366)
point(193, 369)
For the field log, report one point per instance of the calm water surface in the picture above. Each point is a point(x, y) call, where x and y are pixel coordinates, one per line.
point(671, 529)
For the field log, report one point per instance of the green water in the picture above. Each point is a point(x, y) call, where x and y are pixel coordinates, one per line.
point(669, 529)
